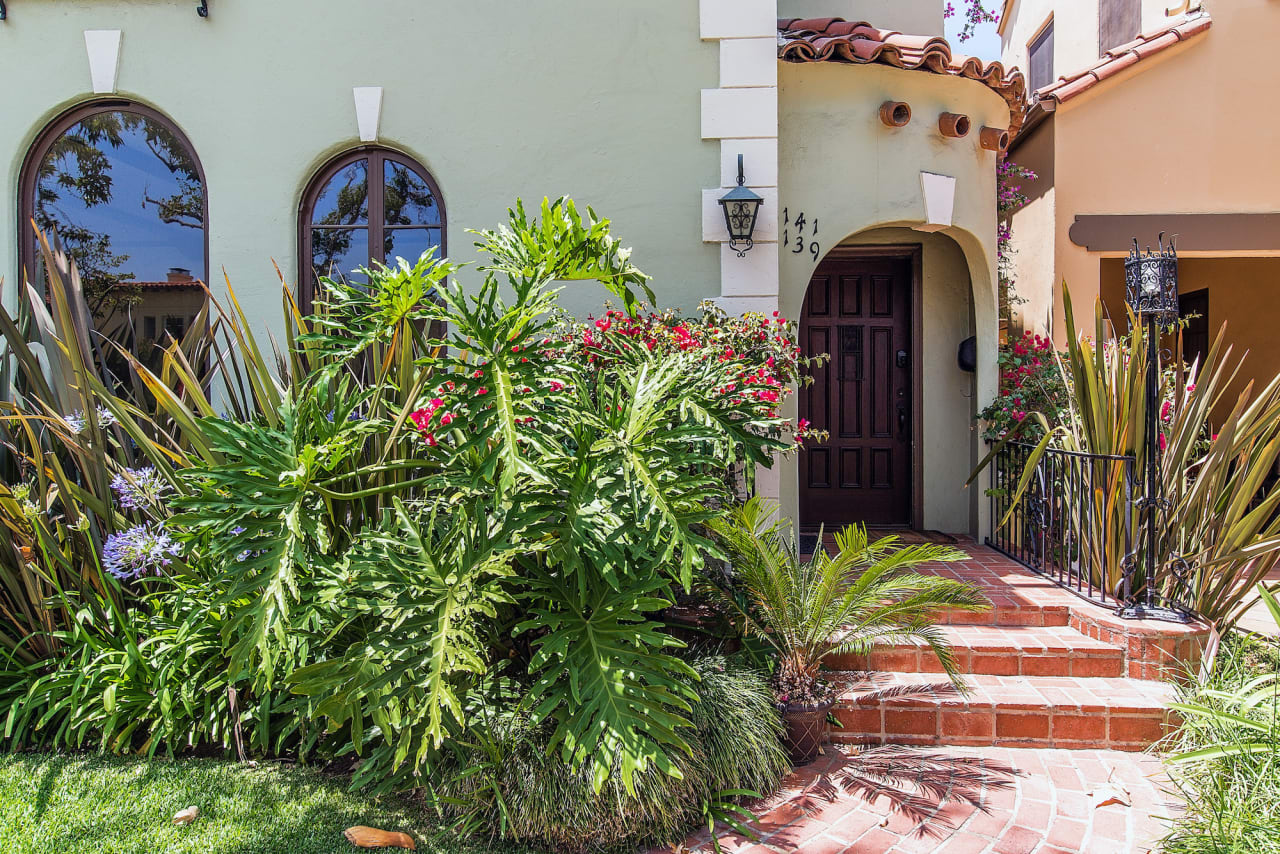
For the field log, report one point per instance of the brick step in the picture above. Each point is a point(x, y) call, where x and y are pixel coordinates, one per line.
point(1010, 612)
point(1073, 712)
point(998, 651)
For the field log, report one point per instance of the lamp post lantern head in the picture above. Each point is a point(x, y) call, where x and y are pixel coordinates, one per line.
point(740, 207)
point(1151, 282)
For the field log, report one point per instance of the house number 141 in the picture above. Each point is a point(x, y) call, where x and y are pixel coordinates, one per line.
point(799, 225)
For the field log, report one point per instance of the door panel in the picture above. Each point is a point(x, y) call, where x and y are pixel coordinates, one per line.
point(858, 310)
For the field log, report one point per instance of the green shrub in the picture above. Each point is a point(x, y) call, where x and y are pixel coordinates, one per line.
point(528, 792)
point(430, 510)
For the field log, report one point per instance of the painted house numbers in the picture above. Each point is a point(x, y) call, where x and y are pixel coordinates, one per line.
point(798, 227)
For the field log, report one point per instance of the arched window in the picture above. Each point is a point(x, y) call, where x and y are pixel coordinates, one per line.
point(122, 188)
point(348, 221)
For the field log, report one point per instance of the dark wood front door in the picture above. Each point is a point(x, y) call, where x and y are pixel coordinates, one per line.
point(858, 310)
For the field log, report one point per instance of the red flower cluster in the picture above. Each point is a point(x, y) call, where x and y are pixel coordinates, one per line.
point(753, 361)
point(1029, 382)
point(423, 419)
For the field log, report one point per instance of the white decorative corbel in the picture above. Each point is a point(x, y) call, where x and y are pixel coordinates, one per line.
point(939, 201)
point(368, 111)
point(103, 49)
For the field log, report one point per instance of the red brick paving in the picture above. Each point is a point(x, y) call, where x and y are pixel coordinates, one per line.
point(1037, 802)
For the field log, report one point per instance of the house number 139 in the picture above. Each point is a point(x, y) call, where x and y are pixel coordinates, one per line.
point(799, 224)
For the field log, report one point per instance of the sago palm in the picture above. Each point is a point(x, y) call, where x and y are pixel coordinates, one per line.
point(864, 595)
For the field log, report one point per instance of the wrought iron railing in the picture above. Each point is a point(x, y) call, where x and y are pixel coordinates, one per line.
point(1080, 521)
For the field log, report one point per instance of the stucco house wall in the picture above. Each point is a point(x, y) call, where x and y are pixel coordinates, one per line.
point(603, 98)
point(1075, 28)
point(862, 180)
point(1164, 136)
point(639, 110)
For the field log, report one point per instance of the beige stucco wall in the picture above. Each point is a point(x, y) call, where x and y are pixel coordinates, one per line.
point(1242, 293)
point(861, 180)
point(1031, 249)
point(1075, 32)
point(1177, 133)
point(919, 17)
point(1075, 29)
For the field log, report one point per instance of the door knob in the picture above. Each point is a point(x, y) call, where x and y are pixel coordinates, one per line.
point(902, 420)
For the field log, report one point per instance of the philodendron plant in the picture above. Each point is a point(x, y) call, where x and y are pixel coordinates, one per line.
point(864, 595)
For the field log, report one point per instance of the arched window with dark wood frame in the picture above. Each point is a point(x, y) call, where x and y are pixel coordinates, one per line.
point(121, 186)
point(368, 205)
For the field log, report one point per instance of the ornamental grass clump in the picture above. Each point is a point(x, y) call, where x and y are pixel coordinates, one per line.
point(510, 784)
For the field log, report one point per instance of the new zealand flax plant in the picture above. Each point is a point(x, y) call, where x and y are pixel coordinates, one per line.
point(1218, 444)
point(864, 595)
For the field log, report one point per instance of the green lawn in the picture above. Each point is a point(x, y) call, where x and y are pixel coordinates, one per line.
point(92, 805)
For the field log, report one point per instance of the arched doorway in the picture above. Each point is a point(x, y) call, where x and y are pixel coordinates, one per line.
point(860, 308)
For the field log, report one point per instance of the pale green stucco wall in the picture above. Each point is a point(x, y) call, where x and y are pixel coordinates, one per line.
point(861, 179)
point(599, 101)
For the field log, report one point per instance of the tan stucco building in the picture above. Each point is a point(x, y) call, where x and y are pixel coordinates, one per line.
point(286, 111)
point(1149, 121)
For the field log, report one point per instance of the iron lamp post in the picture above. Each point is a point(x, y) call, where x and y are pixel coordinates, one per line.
point(1151, 291)
point(741, 206)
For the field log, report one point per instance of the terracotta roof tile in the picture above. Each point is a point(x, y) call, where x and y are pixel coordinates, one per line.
point(857, 42)
point(1119, 58)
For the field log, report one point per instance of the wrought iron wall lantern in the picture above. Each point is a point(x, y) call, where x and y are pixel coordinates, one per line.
point(741, 206)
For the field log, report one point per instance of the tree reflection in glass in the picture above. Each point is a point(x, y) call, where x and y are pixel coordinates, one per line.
point(123, 193)
point(353, 224)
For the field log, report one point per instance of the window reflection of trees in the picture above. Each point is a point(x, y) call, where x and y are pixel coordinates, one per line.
point(123, 193)
point(350, 222)
point(78, 165)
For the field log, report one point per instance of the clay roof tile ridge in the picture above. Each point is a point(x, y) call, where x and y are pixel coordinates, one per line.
point(860, 43)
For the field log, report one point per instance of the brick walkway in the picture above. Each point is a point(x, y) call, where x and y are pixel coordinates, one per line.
point(890, 800)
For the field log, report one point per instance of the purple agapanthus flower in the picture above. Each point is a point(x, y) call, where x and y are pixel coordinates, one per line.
point(139, 489)
point(138, 551)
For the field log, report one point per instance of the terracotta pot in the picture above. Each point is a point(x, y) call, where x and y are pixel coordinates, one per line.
point(806, 729)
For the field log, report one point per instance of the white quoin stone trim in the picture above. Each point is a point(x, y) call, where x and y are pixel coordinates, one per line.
point(742, 113)
point(759, 162)
point(103, 50)
point(738, 19)
point(368, 111)
point(748, 62)
point(753, 275)
point(939, 201)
